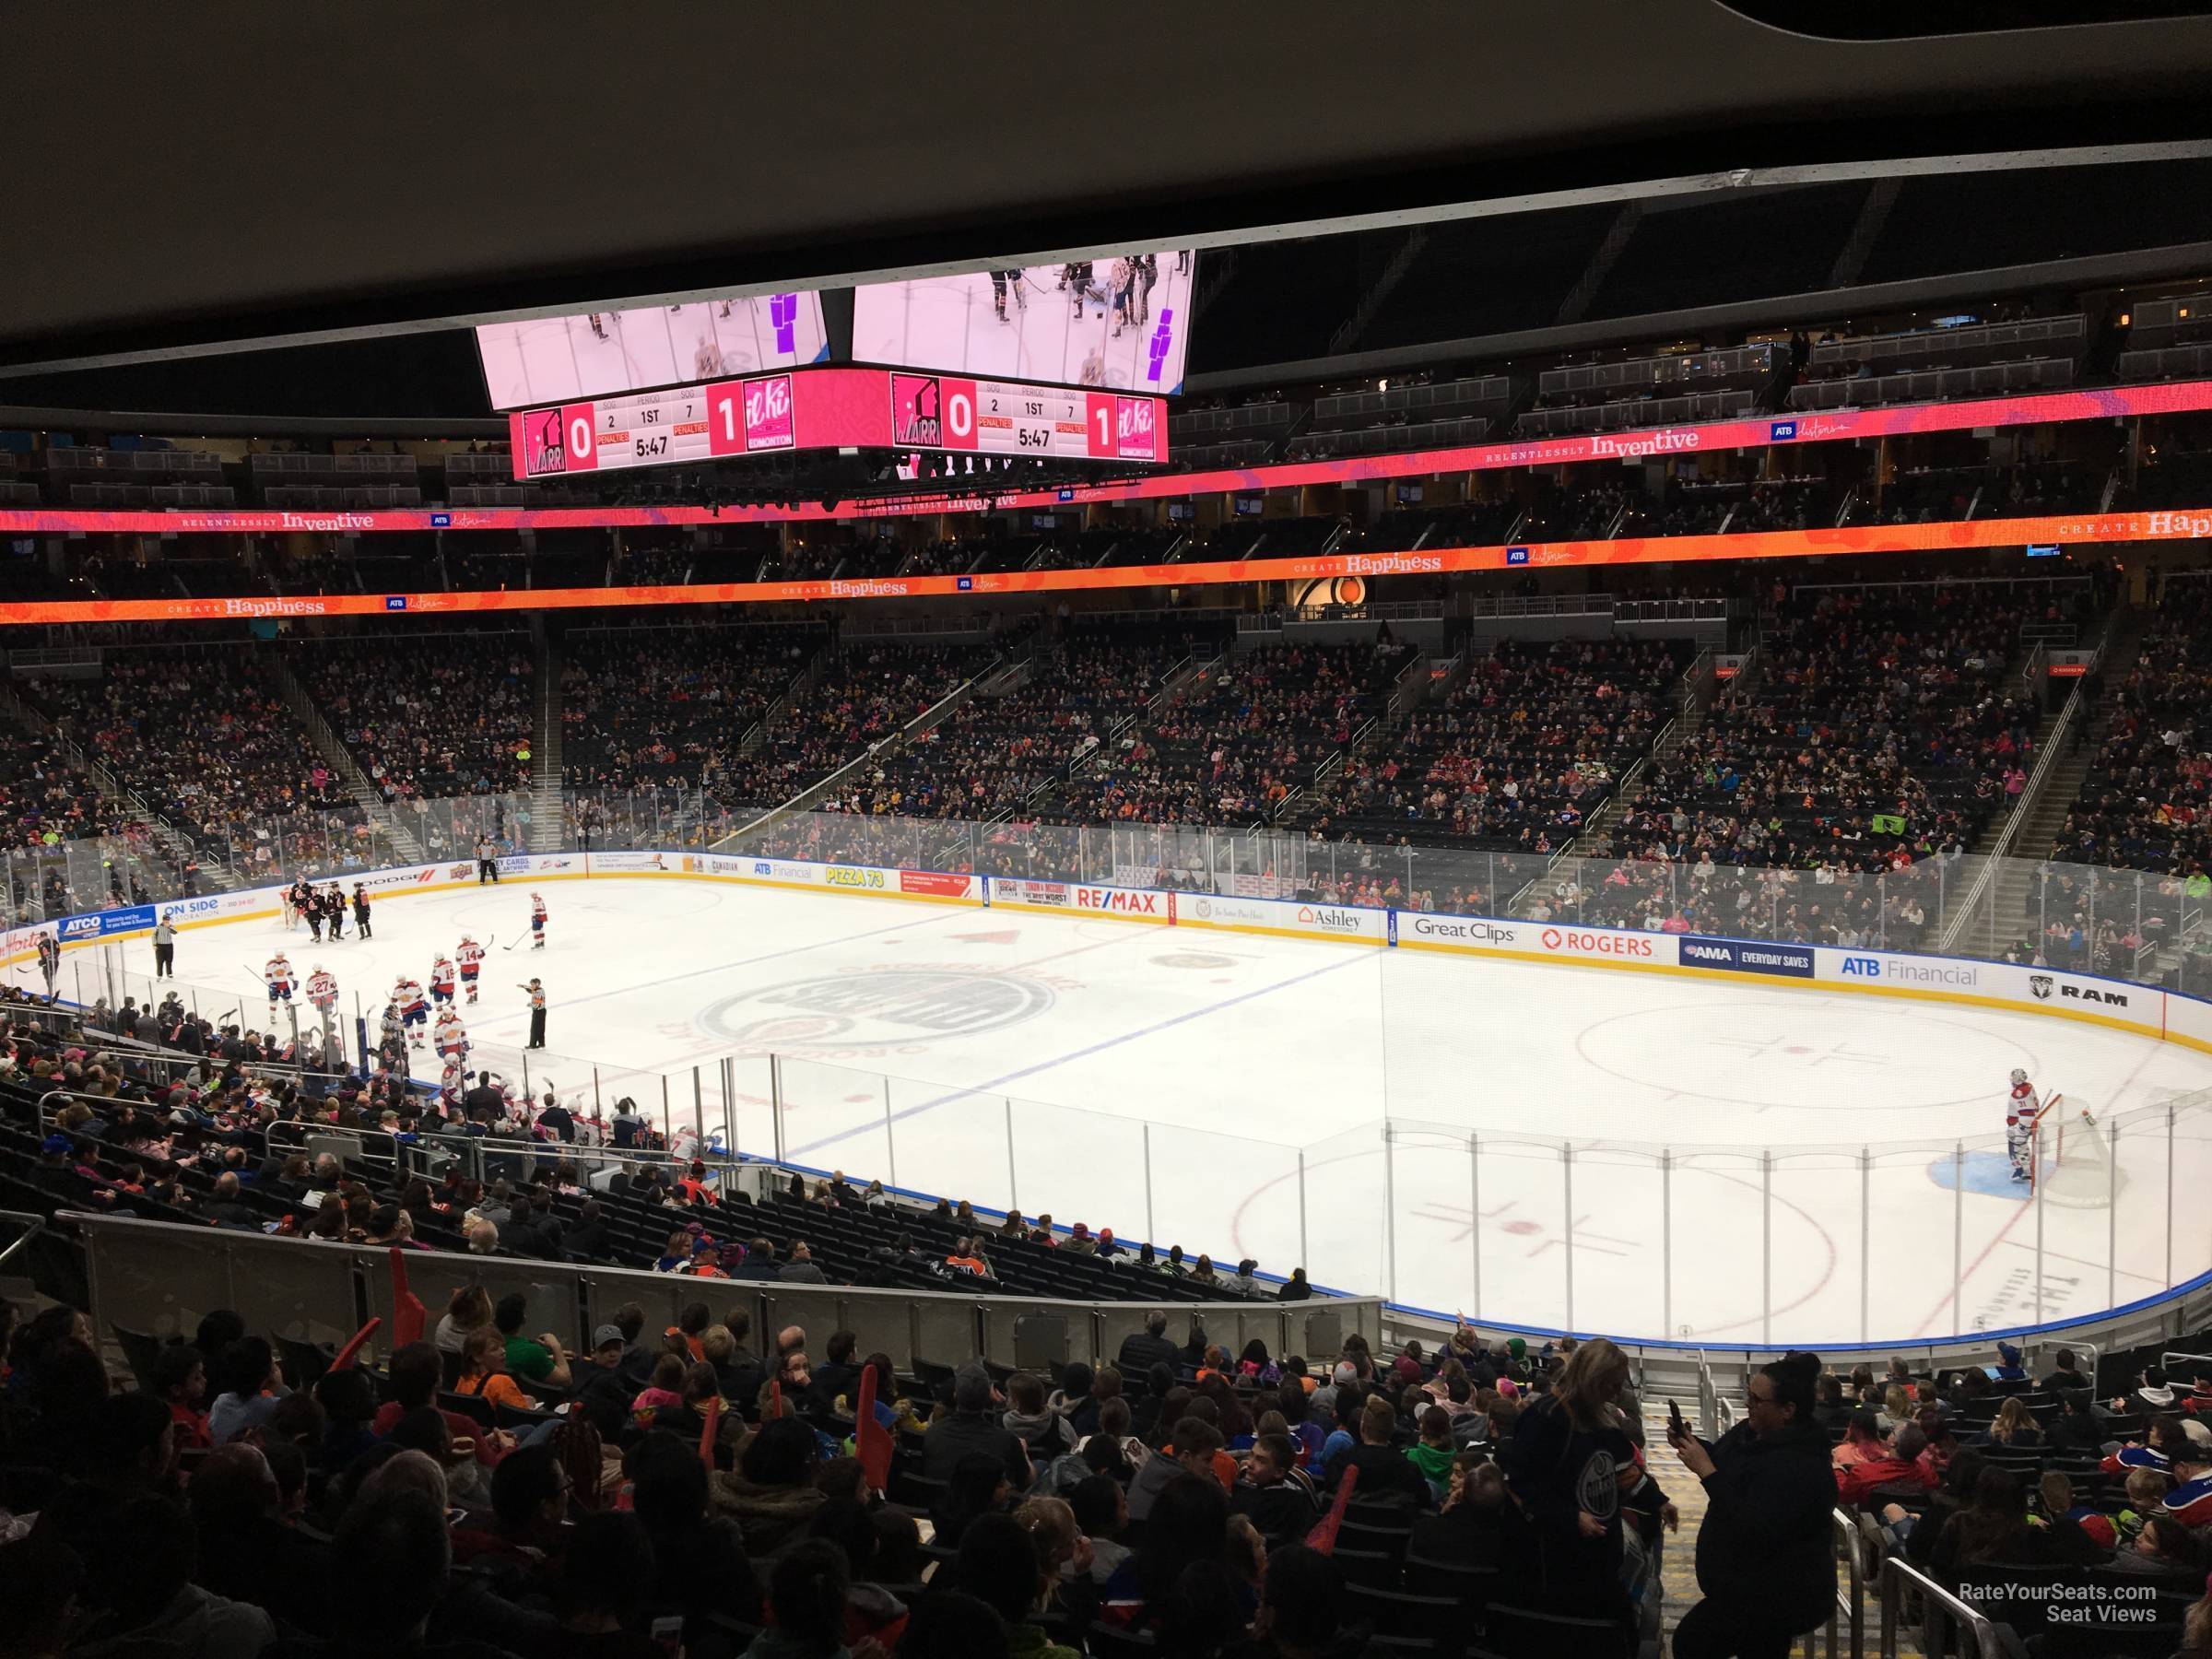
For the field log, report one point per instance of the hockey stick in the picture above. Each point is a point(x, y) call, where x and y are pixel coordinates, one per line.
point(510, 946)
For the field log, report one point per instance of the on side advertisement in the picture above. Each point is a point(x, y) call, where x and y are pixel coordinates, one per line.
point(936, 884)
point(1051, 894)
point(1281, 915)
point(1747, 956)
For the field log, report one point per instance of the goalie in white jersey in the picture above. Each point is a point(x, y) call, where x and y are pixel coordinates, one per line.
point(2021, 1108)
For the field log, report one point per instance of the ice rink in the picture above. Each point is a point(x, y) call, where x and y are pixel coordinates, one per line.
point(1174, 1079)
point(1047, 333)
point(551, 358)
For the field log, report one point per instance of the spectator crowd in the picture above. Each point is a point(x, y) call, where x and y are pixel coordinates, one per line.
point(427, 716)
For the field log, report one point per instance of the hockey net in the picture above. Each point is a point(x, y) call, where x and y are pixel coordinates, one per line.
point(2073, 1162)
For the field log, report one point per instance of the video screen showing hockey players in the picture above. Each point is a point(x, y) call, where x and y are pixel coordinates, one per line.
point(554, 359)
point(1123, 322)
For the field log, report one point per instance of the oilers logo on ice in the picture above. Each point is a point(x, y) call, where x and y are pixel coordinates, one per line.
point(888, 1009)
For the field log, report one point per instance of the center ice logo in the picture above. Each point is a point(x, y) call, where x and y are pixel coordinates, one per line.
point(893, 1007)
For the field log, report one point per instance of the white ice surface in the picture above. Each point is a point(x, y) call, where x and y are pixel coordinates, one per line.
point(952, 322)
point(1103, 1050)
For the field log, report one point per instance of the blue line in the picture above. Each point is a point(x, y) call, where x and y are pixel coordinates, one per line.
point(1081, 1054)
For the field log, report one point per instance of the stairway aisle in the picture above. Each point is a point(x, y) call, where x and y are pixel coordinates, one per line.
point(544, 752)
point(1678, 1550)
point(365, 794)
point(2015, 881)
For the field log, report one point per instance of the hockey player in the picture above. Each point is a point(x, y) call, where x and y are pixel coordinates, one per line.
point(323, 990)
point(538, 922)
point(442, 981)
point(2021, 1109)
point(472, 963)
point(281, 980)
point(414, 1009)
point(305, 903)
point(360, 910)
point(323, 993)
point(450, 1082)
point(334, 911)
point(452, 1040)
point(50, 961)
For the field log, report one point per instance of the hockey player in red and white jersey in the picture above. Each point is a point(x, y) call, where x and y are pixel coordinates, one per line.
point(442, 981)
point(452, 1040)
point(472, 963)
point(323, 990)
point(538, 922)
point(451, 1083)
point(413, 1008)
point(2021, 1109)
point(281, 980)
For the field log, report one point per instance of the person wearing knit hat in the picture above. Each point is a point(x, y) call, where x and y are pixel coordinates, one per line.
point(1079, 1242)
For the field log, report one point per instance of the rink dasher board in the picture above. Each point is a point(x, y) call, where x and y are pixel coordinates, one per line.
point(2120, 1005)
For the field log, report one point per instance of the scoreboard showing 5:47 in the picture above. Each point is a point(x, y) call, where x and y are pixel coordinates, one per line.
point(1006, 417)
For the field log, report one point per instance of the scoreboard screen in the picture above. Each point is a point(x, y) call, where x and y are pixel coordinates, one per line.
point(1120, 323)
point(836, 408)
point(596, 354)
point(1006, 417)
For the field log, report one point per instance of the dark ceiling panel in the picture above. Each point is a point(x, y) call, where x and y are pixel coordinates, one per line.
point(178, 172)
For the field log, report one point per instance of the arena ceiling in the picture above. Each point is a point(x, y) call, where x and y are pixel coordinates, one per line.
point(192, 179)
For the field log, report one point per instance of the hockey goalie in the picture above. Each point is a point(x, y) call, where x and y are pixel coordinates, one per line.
point(2021, 1109)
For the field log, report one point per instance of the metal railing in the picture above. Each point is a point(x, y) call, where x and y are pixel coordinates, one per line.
point(157, 1277)
point(33, 1226)
point(1845, 1632)
point(1947, 1625)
